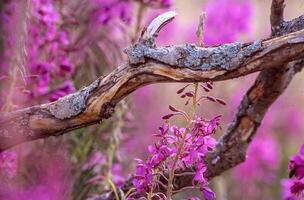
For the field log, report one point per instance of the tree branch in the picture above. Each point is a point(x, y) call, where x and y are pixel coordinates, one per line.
point(276, 14)
point(147, 64)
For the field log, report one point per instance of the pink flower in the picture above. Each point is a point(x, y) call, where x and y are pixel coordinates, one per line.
point(207, 193)
point(143, 176)
point(296, 164)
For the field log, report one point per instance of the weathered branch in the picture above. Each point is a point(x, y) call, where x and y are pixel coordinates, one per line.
point(148, 64)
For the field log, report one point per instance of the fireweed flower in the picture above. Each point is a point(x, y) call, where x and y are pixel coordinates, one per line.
point(179, 148)
point(293, 188)
point(296, 164)
point(198, 142)
point(286, 192)
point(48, 61)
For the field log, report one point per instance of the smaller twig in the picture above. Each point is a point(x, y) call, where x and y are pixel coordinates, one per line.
point(157, 23)
point(277, 14)
point(185, 174)
point(160, 183)
point(200, 29)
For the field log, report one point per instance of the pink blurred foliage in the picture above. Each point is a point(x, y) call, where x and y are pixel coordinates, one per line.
point(8, 163)
point(97, 164)
point(260, 168)
point(111, 11)
point(9, 19)
point(50, 179)
point(227, 25)
point(263, 159)
point(46, 63)
point(147, 112)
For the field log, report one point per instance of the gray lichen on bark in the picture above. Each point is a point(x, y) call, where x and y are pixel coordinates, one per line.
point(72, 104)
point(289, 26)
point(193, 57)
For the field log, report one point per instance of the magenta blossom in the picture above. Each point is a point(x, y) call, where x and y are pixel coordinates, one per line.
point(293, 188)
point(197, 143)
point(296, 164)
point(143, 176)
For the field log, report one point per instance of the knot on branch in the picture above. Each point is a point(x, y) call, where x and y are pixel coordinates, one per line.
point(72, 104)
point(107, 110)
point(137, 52)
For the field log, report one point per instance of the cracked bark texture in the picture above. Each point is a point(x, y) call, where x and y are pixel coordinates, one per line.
point(278, 58)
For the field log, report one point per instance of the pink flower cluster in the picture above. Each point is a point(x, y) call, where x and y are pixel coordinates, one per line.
point(111, 11)
point(294, 187)
point(197, 143)
point(48, 61)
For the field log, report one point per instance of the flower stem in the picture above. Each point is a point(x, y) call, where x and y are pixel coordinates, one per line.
point(171, 173)
point(193, 113)
point(181, 145)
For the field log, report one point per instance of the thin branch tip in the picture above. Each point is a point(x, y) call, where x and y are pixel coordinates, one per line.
point(158, 23)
